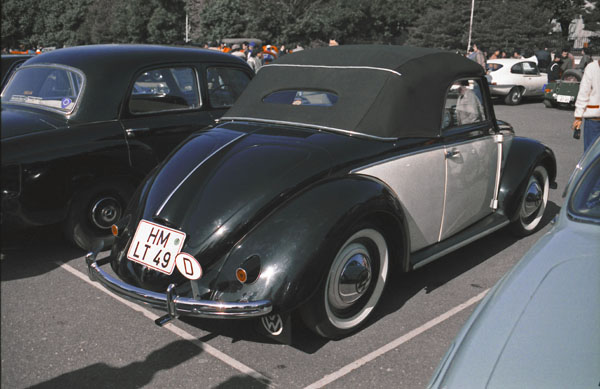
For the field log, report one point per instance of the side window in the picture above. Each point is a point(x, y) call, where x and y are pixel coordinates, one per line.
point(225, 85)
point(517, 68)
point(165, 89)
point(464, 104)
point(530, 68)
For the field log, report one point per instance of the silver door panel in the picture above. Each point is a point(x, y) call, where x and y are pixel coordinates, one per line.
point(471, 181)
point(418, 180)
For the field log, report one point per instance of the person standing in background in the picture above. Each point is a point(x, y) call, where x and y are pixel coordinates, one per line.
point(568, 60)
point(478, 56)
point(587, 105)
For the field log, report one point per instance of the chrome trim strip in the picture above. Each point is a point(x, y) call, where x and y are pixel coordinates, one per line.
point(305, 125)
point(394, 158)
point(445, 199)
point(499, 139)
point(193, 170)
point(421, 150)
point(334, 67)
point(176, 305)
point(459, 245)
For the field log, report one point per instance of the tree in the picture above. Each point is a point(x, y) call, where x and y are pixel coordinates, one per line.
point(18, 20)
point(563, 11)
point(167, 22)
point(502, 24)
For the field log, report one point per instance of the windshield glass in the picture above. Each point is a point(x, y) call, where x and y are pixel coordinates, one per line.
point(585, 200)
point(50, 87)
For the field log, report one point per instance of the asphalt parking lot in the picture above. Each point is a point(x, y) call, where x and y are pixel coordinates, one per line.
point(59, 330)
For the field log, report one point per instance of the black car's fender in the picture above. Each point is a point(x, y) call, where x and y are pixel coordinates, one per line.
point(297, 242)
point(524, 155)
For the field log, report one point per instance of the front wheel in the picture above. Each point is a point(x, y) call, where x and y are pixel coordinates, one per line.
point(353, 285)
point(514, 96)
point(533, 203)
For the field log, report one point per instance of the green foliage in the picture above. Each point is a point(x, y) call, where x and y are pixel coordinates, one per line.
point(501, 24)
point(506, 24)
point(564, 11)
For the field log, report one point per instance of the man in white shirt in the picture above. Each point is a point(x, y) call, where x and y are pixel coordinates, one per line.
point(587, 105)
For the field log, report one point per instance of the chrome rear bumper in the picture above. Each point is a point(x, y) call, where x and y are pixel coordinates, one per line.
point(175, 305)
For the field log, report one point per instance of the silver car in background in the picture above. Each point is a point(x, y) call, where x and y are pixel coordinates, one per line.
point(539, 327)
point(512, 79)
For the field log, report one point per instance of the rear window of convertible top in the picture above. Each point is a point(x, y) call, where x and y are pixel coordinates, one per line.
point(302, 97)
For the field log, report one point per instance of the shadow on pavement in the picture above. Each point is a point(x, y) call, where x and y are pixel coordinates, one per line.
point(136, 374)
point(34, 251)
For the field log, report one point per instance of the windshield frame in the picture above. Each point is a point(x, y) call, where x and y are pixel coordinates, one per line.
point(66, 68)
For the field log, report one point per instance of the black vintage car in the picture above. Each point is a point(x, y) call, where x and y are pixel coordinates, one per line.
point(82, 126)
point(334, 166)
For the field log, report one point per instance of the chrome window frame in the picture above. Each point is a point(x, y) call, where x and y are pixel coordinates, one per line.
point(198, 90)
point(79, 97)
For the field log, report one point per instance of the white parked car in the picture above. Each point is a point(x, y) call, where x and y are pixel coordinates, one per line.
point(514, 79)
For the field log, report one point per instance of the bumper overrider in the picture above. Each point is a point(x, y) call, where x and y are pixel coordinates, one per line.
point(174, 305)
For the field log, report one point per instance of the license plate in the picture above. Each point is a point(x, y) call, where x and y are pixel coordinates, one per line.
point(156, 246)
point(563, 99)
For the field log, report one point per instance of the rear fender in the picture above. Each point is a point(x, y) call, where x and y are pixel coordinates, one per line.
point(297, 242)
point(524, 155)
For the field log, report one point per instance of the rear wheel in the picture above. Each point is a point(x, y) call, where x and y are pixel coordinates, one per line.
point(353, 285)
point(514, 96)
point(548, 103)
point(93, 211)
point(533, 203)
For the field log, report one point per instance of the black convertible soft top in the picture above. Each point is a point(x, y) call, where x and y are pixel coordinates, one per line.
point(383, 91)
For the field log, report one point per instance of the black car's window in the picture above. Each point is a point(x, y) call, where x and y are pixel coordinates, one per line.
point(517, 68)
point(585, 200)
point(165, 89)
point(464, 104)
point(225, 85)
point(56, 88)
point(302, 97)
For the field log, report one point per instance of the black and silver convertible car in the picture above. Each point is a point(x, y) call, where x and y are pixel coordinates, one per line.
point(334, 166)
point(82, 126)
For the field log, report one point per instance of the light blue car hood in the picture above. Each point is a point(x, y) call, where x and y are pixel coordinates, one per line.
point(557, 337)
point(540, 325)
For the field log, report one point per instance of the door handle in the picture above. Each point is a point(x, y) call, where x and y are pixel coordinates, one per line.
point(452, 153)
point(131, 131)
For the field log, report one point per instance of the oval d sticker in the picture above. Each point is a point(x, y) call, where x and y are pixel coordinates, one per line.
point(188, 266)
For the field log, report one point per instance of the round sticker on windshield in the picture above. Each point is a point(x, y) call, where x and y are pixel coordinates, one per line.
point(65, 102)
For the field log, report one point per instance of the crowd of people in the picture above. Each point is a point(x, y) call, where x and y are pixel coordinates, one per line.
point(555, 62)
point(258, 55)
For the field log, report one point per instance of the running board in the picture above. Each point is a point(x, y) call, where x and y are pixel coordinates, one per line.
point(490, 224)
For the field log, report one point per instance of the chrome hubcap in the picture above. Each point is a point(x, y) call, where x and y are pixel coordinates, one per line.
point(533, 199)
point(353, 278)
point(106, 212)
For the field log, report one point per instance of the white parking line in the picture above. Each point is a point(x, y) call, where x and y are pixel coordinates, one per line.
point(396, 343)
point(174, 329)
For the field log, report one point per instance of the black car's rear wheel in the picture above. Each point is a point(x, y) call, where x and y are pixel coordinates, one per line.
point(353, 285)
point(549, 103)
point(533, 202)
point(93, 211)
